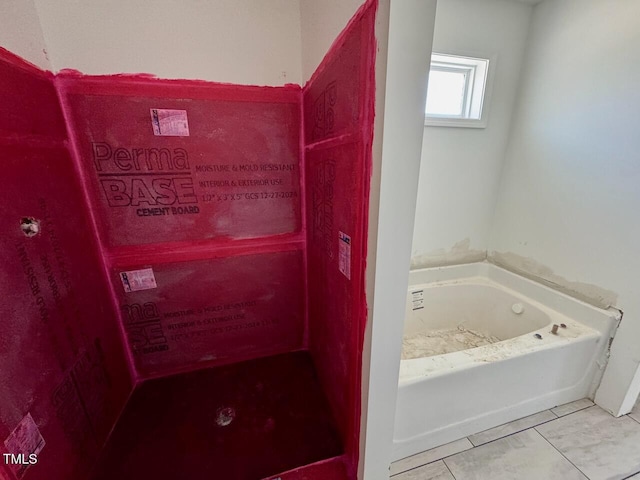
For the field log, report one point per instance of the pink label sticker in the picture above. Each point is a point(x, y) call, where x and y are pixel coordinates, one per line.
point(23, 446)
point(344, 254)
point(135, 280)
point(169, 123)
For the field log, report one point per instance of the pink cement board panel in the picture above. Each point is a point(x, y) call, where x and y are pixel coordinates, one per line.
point(335, 190)
point(338, 106)
point(61, 355)
point(28, 102)
point(214, 311)
point(333, 469)
point(333, 97)
point(235, 176)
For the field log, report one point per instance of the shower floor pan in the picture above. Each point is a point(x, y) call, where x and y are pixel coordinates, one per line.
point(246, 421)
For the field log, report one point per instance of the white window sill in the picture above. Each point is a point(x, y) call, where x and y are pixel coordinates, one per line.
point(455, 122)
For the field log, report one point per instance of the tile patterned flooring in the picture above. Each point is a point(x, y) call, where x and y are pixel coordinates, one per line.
point(577, 441)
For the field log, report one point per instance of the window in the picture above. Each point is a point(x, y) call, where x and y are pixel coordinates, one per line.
point(457, 91)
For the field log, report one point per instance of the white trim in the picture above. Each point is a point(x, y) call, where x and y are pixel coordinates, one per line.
point(394, 189)
point(454, 122)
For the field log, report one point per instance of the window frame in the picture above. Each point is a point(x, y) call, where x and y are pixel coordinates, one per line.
point(478, 89)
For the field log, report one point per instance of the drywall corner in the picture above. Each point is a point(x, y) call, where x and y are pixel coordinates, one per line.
point(532, 269)
point(569, 191)
point(245, 42)
point(320, 23)
point(401, 74)
point(21, 32)
point(382, 37)
point(459, 254)
point(461, 167)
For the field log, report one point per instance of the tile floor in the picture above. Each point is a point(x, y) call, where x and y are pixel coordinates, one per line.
point(577, 441)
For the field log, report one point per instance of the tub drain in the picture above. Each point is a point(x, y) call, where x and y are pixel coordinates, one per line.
point(224, 416)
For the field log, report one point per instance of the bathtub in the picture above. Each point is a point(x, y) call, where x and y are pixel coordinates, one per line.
point(445, 397)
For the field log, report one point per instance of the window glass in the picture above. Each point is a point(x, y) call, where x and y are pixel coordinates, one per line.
point(446, 93)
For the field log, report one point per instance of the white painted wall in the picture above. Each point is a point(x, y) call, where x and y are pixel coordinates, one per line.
point(461, 167)
point(401, 89)
point(236, 41)
point(321, 22)
point(20, 32)
point(569, 205)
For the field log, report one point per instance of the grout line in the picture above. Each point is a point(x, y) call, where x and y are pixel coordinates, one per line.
point(513, 433)
point(445, 464)
point(506, 436)
point(575, 411)
point(434, 461)
point(478, 446)
point(495, 440)
point(629, 415)
point(564, 456)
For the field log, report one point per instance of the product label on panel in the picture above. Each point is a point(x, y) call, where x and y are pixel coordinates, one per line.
point(344, 254)
point(138, 280)
point(170, 123)
point(417, 299)
point(23, 446)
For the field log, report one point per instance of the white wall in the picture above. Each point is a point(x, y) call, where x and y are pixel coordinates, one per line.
point(236, 41)
point(461, 167)
point(321, 22)
point(569, 206)
point(401, 89)
point(20, 32)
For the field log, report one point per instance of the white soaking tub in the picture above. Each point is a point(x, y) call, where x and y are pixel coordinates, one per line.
point(478, 352)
